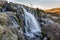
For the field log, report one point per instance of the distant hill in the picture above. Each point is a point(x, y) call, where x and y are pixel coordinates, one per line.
point(54, 10)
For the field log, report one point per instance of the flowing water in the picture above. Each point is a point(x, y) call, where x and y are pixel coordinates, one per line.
point(32, 28)
point(14, 22)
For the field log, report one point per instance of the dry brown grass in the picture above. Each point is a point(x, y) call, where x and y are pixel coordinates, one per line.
point(54, 10)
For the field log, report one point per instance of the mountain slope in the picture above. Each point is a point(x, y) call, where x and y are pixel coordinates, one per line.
point(54, 10)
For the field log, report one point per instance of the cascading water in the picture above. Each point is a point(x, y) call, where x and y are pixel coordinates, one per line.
point(32, 28)
point(14, 21)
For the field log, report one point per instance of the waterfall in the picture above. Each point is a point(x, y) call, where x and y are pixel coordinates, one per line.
point(32, 28)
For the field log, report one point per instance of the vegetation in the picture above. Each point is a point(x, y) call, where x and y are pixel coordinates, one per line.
point(54, 10)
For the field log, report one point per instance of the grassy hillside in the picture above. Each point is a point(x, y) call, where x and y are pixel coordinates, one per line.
point(54, 10)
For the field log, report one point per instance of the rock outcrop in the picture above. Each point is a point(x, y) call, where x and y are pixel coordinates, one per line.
point(7, 30)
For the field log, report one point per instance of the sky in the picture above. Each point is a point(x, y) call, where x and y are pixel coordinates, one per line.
point(42, 4)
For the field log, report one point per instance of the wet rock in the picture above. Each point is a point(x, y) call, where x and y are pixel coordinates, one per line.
point(51, 30)
point(7, 30)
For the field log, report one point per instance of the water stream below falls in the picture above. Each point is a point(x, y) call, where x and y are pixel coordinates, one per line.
point(32, 28)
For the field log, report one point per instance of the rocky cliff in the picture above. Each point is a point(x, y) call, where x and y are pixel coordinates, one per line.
point(12, 22)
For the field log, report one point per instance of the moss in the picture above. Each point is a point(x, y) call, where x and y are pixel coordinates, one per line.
point(43, 31)
point(58, 20)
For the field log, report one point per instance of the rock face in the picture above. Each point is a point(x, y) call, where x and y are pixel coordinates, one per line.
point(50, 28)
point(6, 34)
point(2, 2)
point(9, 31)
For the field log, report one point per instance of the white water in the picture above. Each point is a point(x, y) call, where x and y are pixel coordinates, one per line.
point(32, 27)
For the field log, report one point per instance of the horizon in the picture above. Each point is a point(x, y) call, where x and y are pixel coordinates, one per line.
point(41, 4)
